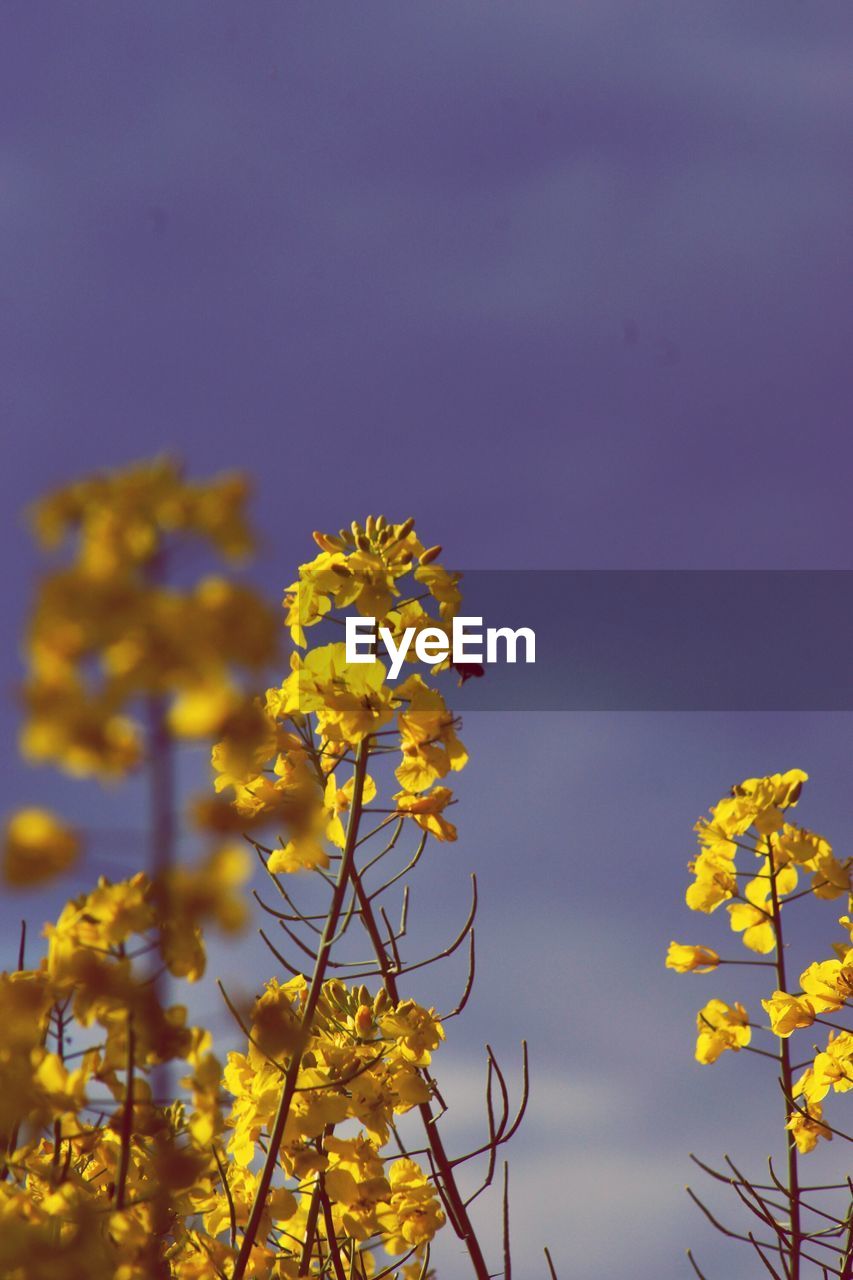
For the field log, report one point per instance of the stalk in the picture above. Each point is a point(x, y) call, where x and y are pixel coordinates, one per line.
point(458, 1212)
point(292, 1074)
point(787, 1078)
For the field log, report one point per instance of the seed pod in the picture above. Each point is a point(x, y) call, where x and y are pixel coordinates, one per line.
point(432, 553)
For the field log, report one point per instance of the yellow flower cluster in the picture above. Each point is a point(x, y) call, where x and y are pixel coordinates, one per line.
point(89, 1199)
point(106, 629)
point(268, 758)
point(121, 659)
point(359, 1067)
point(752, 819)
point(286, 1161)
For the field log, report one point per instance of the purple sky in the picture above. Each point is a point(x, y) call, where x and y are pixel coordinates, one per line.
point(568, 282)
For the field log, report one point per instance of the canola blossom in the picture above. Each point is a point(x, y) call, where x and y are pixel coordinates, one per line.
point(131, 1145)
point(754, 860)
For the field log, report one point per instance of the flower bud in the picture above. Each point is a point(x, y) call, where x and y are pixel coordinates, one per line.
point(381, 1003)
point(326, 542)
point(336, 991)
point(364, 1021)
point(432, 553)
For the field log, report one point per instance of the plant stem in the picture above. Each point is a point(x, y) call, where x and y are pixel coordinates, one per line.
point(787, 1079)
point(292, 1074)
point(162, 836)
point(127, 1118)
point(459, 1213)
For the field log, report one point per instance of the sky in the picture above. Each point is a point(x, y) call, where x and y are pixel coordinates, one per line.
point(569, 282)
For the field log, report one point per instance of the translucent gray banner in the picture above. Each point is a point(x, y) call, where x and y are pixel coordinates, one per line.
point(661, 640)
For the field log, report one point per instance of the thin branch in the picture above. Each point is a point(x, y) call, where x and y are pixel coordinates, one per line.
point(314, 991)
point(127, 1118)
point(507, 1254)
point(232, 1213)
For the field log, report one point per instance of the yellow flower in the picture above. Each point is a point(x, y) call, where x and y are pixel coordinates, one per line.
point(715, 882)
point(688, 959)
point(831, 1069)
point(36, 847)
point(757, 802)
point(103, 918)
point(308, 600)
point(338, 800)
point(720, 1027)
point(415, 1030)
point(250, 738)
point(808, 1129)
point(829, 983)
point(303, 853)
point(428, 811)
point(427, 736)
point(350, 701)
point(753, 918)
point(356, 1180)
point(201, 710)
point(275, 1021)
point(830, 878)
point(414, 1214)
point(788, 1013)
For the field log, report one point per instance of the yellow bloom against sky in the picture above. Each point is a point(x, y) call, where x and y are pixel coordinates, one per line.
point(568, 283)
point(287, 762)
point(237, 1168)
point(546, 881)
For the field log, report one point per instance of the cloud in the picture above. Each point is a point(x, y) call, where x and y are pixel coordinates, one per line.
point(573, 1175)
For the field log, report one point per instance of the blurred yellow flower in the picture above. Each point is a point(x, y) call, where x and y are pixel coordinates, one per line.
point(36, 847)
